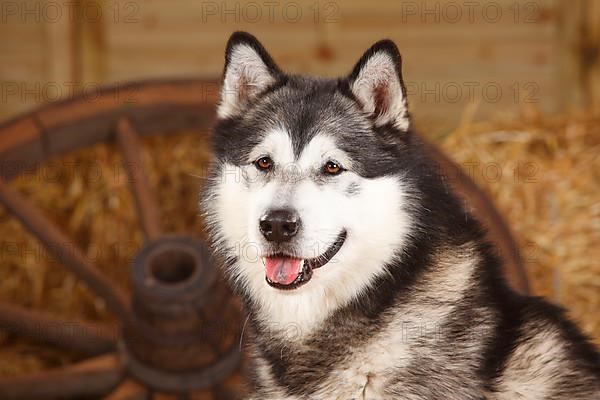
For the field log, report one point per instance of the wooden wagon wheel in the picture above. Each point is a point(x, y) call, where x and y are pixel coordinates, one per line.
point(159, 346)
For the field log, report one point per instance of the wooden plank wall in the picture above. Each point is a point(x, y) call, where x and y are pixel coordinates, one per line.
point(455, 55)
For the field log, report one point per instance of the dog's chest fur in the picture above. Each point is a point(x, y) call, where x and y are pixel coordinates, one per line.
point(356, 357)
point(363, 373)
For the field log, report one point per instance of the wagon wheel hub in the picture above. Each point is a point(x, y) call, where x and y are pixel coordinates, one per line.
point(176, 334)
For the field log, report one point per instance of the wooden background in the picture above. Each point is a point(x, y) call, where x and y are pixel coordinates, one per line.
point(489, 59)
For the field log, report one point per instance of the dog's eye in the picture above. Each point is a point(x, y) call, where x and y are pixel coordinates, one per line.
point(264, 163)
point(332, 168)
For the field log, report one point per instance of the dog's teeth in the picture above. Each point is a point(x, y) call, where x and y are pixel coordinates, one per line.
point(301, 266)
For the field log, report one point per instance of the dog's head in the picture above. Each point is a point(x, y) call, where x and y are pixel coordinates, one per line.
point(308, 201)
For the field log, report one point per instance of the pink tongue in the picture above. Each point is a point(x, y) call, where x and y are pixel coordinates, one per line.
point(282, 270)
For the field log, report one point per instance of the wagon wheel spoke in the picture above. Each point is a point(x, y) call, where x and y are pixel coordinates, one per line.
point(71, 256)
point(95, 377)
point(129, 142)
point(129, 390)
point(87, 337)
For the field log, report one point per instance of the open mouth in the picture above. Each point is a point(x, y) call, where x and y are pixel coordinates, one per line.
point(286, 272)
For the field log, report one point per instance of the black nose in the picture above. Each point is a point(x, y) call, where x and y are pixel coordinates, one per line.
point(279, 225)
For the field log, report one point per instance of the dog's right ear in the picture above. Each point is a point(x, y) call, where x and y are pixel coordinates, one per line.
point(249, 70)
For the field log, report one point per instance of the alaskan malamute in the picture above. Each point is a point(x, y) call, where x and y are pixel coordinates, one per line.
point(362, 275)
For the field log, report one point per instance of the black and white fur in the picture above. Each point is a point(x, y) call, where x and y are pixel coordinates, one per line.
point(413, 305)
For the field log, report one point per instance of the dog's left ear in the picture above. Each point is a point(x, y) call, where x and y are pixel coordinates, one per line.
point(249, 70)
point(376, 81)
